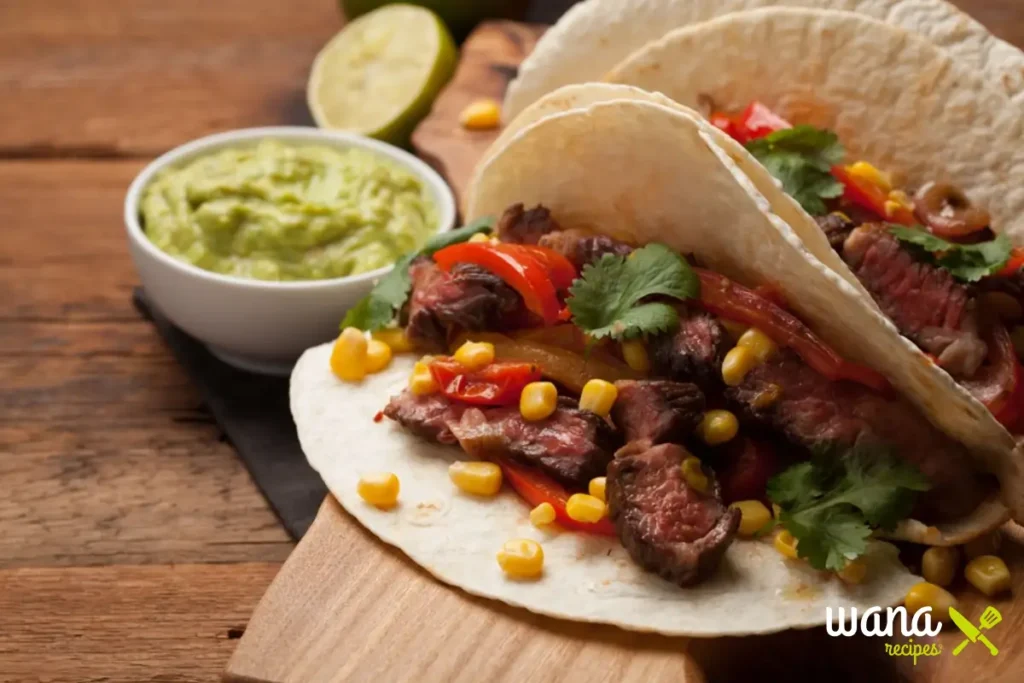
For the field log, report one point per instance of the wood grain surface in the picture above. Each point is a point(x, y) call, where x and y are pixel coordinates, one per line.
point(133, 546)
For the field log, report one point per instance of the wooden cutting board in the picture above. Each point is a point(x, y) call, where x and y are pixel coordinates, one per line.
point(346, 607)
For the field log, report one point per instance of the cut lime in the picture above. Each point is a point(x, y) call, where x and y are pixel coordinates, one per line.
point(381, 73)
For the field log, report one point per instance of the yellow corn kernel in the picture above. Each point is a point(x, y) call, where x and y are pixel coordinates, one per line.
point(584, 507)
point(738, 362)
point(939, 565)
point(422, 382)
point(926, 594)
point(348, 357)
point(480, 237)
point(867, 172)
point(989, 544)
point(378, 488)
point(734, 329)
point(597, 487)
point(718, 427)
point(475, 355)
point(477, 477)
point(482, 114)
point(521, 558)
point(598, 396)
point(766, 397)
point(395, 337)
point(754, 516)
point(1017, 336)
point(542, 515)
point(786, 544)
point(694, 475)
point(758, 343)
point(854, 572)
point(634, 352)
point(989, 574)
point(378, 356)
point(897, 200)
point(538, 401)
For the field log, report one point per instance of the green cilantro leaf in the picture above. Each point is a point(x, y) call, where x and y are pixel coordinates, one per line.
point(801, 158)
point(831, 503)
point(378, 308)
point(966, 262)
point(606, 300)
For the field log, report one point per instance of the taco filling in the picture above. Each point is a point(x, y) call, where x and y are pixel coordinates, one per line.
point(641, 395)
point(928, 256)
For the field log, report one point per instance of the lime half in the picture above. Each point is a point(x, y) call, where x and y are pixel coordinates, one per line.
point(381, 73)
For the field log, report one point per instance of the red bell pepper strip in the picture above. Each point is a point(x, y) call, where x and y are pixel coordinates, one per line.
point(523, 272)
point(756, 121)
point(497, 384)
point(872, 197)
point(1015, 263)
point(999, 383)
point(725, 298)
point(724, 123)
point(536, 488)
point(560, 270)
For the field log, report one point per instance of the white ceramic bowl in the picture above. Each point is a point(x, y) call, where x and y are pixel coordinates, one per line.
point(254, 324)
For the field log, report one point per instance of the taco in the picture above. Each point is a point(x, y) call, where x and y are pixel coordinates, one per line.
point(699, 374)
point(904, 185)
point(595, 35)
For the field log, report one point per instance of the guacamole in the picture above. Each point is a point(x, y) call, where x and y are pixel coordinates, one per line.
point(288, 212)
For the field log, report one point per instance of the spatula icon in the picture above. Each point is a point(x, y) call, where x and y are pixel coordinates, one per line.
point(989, 618)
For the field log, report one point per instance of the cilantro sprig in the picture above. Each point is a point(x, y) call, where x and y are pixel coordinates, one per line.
point(607, 300)
point(966, 262)
point(378, 308)
point(831, 503)
point(801, 158)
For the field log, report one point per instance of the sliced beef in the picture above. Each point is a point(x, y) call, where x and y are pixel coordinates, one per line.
point(837, 227)
point(812, 411)
point(525, 226)
point(426, 416)
point(666, 526)
point(657, 410)
point(572, 446)
point(468, 298)
point(924, 302)
point(582, 247)
point(694, 352)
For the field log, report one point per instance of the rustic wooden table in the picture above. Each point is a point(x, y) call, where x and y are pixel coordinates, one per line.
point(133, 545)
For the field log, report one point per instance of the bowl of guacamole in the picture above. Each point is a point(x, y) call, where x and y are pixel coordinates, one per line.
point(257, 241)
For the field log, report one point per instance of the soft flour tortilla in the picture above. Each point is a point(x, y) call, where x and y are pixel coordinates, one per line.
point(595, 35)
point(686, 191)
point(892, 97)
point(455, 536)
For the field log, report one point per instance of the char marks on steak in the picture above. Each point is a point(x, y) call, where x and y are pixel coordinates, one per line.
point(426, 416)
point(812, 411)
point(657, 410)
point(581, 247)
point(468, 298)
point(525, 226)
point(666, 526)
point(924, 301)
point(572, 446)
point(694, 352)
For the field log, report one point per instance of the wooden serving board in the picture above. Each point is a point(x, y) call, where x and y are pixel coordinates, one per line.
point(346, 607)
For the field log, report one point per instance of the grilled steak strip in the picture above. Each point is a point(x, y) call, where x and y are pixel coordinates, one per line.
point(810, 411)
point(581, 247)
point(525, 226)
point(694, 352)
point(657, 410)
point(468, 298)
point(666, 526)
point(426, 416)
point(924, 301)
point(572, 446)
